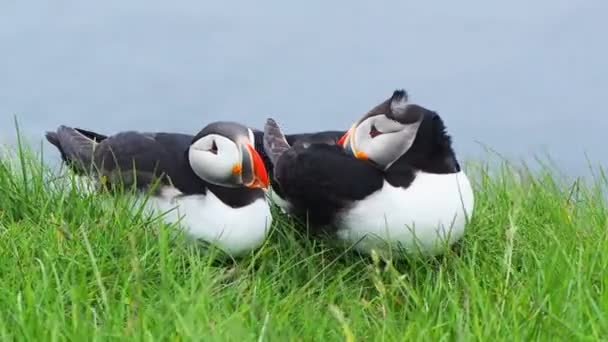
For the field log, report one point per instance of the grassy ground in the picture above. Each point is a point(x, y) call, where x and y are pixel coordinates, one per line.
point(533, 265)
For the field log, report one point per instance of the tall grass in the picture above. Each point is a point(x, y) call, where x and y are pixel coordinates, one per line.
point(73, 266)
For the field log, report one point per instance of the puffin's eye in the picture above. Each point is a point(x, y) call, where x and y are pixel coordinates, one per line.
point(213, 148)
point(374, 132)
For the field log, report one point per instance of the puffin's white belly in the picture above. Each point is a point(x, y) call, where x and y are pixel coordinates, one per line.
point(427, 216)
point(234, 230)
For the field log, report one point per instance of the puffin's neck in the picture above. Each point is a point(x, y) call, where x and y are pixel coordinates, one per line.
point(236, 197)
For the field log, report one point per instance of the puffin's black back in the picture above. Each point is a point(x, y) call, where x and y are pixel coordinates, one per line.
point(152, 156)
point(321, 180)
point(324, 137)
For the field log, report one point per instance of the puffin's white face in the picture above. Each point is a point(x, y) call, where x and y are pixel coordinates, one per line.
point(229, 162)
point(384, 134)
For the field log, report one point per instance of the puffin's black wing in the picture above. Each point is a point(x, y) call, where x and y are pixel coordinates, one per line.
point(275, 142)
point(323, 137)
point(91, 135)
point(319, 179)
point(75, 146)
point(134, 158)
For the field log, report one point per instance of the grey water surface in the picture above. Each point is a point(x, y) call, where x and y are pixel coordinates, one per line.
point(520, 77)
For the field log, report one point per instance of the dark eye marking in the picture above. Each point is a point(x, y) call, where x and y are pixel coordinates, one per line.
point(213, 148)
point(374, 132)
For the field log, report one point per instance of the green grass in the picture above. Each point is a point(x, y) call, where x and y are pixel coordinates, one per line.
point(533, 265)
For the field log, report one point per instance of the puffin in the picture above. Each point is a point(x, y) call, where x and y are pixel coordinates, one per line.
point(213, 184)
point(391, 184)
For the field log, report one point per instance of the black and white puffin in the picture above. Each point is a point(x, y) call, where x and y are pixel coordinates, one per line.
point(215, 180)
point(391, 182)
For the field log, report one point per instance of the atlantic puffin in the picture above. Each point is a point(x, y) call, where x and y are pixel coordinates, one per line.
point(214, 182)
point(392, 183)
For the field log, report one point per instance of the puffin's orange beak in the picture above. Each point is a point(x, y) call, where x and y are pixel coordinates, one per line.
point(260, 179)
point(348, 146)
point(344, 138)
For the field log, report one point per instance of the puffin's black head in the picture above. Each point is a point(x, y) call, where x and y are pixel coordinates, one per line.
point(223, 153)
point(432, 149)
point(386, 132)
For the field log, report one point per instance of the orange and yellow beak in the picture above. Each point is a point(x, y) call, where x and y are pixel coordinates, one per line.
point(256, 177)
point(347, 143)
point(344, 140)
